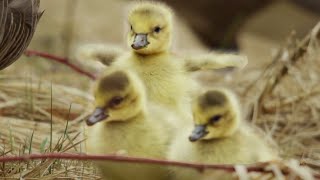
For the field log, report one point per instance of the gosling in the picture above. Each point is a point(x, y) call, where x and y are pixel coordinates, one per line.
point(124, 123)
point(218, 136)
point(164, 74)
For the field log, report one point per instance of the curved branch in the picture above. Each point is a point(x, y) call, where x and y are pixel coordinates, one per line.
point(258, 167)
point(62, 60)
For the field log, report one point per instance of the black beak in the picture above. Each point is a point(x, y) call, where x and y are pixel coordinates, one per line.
point(97, 116)
point(140, 41)
point(198, 132)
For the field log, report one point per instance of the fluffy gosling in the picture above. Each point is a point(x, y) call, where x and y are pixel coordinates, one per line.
point(218, 136)
point(124, 123)
point(157, 30)
point(163, 73)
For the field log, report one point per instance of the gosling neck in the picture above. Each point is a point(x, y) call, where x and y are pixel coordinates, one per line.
point(139, 110)
point(162, 53)
point(138, 116)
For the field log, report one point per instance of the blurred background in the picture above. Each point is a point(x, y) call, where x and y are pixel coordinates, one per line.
point(253, 27)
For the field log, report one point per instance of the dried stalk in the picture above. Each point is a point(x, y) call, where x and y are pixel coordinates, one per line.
point(279, 69)
point(293, 58)
point(272, 106)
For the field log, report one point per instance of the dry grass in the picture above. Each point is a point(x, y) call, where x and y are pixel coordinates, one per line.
point(40, 117)
point(284, 101)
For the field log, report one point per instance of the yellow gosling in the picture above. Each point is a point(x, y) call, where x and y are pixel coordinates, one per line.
point(164, 74)
point(219, 136)
point(124, 123)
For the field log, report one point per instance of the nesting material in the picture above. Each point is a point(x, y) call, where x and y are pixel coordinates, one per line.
point(40, 117)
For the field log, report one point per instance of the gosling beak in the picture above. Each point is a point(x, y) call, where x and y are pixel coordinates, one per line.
point(140, 41)
point(198, 132)
point(97, 116)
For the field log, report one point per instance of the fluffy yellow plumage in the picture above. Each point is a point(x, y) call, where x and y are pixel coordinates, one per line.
point(218, 136)
point(152, 22)
point(163, 73)
point(124, 123)
point(155, 20)
point(97, 56)
point(125, 108)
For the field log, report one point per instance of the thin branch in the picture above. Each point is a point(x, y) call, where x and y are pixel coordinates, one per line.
point(62, 60)
point(257, 168)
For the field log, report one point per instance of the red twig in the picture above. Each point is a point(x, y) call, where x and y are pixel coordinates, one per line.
point(259, 167)
point(62, 60)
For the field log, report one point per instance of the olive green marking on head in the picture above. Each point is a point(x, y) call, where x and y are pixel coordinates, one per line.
point(150, 9)
point(144, 11)
point(115, 81)
point(212, 98)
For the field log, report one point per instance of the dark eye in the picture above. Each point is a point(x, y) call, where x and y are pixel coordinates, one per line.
point(215, 119)
point(131, 27)
point(157, 29)
point(115, 101)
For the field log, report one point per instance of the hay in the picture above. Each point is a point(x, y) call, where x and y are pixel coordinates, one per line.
point(284, 101)
point(39, 117)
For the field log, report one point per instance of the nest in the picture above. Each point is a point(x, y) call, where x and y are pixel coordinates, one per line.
point(283, 100)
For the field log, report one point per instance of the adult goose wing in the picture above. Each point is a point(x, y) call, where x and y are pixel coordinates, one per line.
point(18, 21)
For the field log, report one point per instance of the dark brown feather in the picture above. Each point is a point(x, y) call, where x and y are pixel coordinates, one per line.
point(18, 21)
point(117, 81)
point(212, 98)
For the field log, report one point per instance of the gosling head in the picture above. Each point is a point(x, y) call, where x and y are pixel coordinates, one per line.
point(150, 28)
point(216, 115)
point(118, 97)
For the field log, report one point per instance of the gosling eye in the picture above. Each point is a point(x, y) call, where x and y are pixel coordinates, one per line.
point(215, 119)
point(115, 101)
point(157, 29)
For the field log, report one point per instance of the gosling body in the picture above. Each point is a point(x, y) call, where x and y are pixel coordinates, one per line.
point(164, 74)
point(134, 139)
point(164, 78)
point(125, 124)
point(217, 136)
